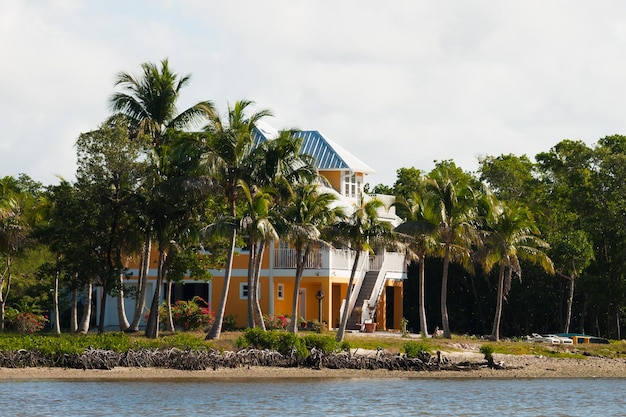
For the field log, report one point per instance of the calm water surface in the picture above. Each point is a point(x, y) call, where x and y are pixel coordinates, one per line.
point(317, 397)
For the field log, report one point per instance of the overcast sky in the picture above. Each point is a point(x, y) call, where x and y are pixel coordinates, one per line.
point(398, 83)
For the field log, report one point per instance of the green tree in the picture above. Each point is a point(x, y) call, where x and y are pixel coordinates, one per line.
point(110, 172)
point(420, 224)
point(454, 198)
point(149, 101)
point(257, 224)
point(361, 231)
point(229, 146)
point(512, 237)
point(307, 214)
point(14, 230)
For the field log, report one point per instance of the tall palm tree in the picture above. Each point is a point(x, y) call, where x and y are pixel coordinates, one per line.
point(13, 233)
point(258, 226)
point(277, 167)
point(511, 238)
point(307, 214)
point(149, 101)
point(362, 231)
point(456, 207)
point(420, 226)
point(229, 145)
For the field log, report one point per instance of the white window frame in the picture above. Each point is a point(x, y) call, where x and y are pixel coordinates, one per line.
point(280, 291)
point(243, 291)
point(352, 184)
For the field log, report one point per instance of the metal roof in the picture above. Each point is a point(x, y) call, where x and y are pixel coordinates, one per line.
point(328, 155)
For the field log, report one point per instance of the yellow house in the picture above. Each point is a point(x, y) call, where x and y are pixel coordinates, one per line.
point(378, 289)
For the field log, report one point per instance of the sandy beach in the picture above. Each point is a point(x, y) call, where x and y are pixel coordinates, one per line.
point(522, 366)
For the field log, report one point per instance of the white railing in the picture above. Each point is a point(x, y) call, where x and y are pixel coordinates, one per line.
point(335, 259)
point(286, 258)
point(342, 259)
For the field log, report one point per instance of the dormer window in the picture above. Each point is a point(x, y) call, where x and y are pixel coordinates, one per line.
point(351, 185)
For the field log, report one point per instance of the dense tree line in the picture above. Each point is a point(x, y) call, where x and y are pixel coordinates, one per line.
point(570, 202)
point(520, 246)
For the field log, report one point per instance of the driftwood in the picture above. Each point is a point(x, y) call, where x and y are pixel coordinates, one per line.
point(213, 359)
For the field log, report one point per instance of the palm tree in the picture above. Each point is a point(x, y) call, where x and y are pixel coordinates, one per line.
point(361, 231)
point(511, 238)
point(13, 233)
point(421, 227)
point(228, 155)
point(455, 203)
point(149, 101)
point(307, 214)
point(258, 226)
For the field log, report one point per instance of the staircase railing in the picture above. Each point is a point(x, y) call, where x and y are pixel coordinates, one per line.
point(362, 268)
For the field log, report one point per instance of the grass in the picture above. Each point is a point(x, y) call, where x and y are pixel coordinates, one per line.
point(117, 341)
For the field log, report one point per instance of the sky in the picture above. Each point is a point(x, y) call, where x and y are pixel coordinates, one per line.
point(398, 83)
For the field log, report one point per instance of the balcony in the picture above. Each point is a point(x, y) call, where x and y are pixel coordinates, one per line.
point(332, 261)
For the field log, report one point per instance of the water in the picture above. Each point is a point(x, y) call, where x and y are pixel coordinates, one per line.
point(316, 397)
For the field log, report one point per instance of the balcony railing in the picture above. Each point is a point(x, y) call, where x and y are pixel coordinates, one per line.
point(337, 259)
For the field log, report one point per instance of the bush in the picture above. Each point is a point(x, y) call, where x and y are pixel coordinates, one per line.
point(276, 322)
point(229, 323)
point(413, 349)
point(191, 315)
point(325, 343)
point(487, 350)
point(26, 321)
point(278, 340)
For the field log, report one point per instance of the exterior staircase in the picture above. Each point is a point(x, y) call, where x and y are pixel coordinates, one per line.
point(369, 282)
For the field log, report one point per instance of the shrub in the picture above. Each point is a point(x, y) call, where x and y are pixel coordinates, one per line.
point(413, 349)
point(325, 343)
point(276, 322)
point(191, 315)
point(487, 350)
point(278, 340)
point(28, 322)
point(229, 323)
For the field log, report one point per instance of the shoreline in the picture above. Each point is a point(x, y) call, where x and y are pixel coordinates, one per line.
point(515, 366)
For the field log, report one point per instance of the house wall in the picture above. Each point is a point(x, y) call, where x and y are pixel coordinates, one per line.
point(334, 178)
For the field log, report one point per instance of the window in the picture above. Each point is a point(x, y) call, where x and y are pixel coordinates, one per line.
point(243, 291)
point(351, 185)
point(280, 291)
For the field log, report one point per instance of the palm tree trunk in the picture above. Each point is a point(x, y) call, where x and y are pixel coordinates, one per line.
point(121, 311)
point(152, 326)
point(444, 294)
point(74, 311)
point(251, 259)
point(300, 262)
point(55, 296)
point(216, 329)
point(83, 327)
point(103, 306)
point(421, 300)
point(346, 308)
point(169, 320)
point(142, 286)
point(495, 330)
point(257, 275)
point(4, 291)
point(570, 301)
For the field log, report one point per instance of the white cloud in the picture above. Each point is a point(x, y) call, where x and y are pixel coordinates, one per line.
point(399, 84)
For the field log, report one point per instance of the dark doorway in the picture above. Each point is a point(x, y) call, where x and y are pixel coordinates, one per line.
point(189, 290)
point(389, 307)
